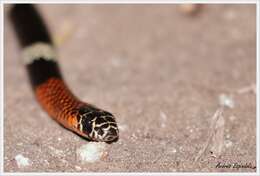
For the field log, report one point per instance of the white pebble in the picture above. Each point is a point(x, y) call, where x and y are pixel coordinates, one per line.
point(227, 136)
point(77, 168)
point(20, 144)
point(22, 161)
point(228, 143)
point(227, 101)
point(174, 150)
point(91, 152)
point(46, 161)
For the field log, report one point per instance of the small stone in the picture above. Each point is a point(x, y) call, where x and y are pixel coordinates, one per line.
point(22, 161)
point(91, 152)
point(228, 143)
point(78, 168)
point(174, 150)
point(228, 136)
point(47, 162)
point(226, 100)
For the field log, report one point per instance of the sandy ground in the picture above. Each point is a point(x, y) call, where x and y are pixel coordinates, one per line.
point(159, 71)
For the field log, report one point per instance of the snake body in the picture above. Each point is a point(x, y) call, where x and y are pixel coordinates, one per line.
point(48, 85)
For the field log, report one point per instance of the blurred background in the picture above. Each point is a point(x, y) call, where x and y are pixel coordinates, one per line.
point(163, 70)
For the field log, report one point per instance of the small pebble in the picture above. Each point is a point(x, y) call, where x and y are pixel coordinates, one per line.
point(78, 168)
point(228, 136)
point(91, 152)
point(174, 150)
point(46, 161)
point(20, 144)
point(228, 143)
point(22, 161)
point(226, 100)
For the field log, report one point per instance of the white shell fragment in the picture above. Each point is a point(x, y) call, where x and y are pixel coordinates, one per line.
point(22, 161)
point(91, 152)
point(226, 101)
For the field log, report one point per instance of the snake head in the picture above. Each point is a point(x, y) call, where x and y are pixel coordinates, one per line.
point(97, 124)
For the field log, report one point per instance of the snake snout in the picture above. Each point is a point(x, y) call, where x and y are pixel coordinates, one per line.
point(111, 135)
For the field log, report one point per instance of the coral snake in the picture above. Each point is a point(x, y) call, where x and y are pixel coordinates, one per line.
point(49, 87)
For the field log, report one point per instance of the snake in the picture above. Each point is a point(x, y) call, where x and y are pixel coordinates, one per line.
point(53, 94)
